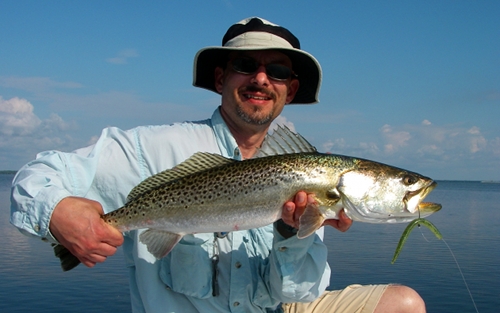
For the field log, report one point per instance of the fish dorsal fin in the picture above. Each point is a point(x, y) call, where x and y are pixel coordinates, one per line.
point(198, 162)
point(284, 141)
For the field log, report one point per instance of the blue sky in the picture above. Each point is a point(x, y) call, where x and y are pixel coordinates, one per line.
point(415, 84)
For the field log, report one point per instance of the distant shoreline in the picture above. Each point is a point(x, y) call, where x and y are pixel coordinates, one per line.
point(8, 172)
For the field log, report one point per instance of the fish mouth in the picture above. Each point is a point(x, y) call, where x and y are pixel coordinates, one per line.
point(427, 208)
point(413, 200)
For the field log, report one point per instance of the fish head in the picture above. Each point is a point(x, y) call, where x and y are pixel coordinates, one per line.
point(378, 193)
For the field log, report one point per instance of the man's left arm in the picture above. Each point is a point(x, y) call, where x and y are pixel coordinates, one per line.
point(299, 268)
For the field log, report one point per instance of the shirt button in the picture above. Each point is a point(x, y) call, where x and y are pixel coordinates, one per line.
point(37, 228)
point(237, 264)
point(236, 303)
point(283, 249)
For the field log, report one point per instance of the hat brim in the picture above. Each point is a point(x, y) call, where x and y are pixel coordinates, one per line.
point(304, 65)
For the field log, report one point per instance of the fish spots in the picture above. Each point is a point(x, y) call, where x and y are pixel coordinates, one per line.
point(218, 186)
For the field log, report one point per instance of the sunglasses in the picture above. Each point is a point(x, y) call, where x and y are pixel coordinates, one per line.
point(249, 66)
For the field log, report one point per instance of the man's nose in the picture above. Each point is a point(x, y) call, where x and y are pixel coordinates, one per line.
point(260, 76)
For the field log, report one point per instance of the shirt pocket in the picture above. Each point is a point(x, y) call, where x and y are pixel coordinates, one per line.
point(187, 269)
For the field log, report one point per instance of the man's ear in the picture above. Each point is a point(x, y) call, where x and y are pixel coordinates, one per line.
point(292, 90)
point(219, 79)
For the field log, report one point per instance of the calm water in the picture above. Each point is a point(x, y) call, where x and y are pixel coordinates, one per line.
point(31, 280)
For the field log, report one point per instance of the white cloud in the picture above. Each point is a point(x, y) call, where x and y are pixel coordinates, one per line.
point(17, 117)
point(370, 147)
point(123, 56)
point(452, 140)
point(23, 133)
point(453, 149)
point(333, 145)
point(395, 139)
point(476, 141)
point(430, 149)
point(474, 131)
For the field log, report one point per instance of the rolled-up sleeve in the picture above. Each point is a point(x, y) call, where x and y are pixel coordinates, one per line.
point(36, 190)
point(41, 184)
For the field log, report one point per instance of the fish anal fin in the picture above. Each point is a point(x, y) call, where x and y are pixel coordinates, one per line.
point(310, 221)
point(159, 242)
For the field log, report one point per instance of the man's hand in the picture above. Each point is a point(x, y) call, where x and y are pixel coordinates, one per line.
point(292, 210)
point(77, 224)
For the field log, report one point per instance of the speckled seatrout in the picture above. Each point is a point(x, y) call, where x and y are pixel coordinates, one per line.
point(210, 193)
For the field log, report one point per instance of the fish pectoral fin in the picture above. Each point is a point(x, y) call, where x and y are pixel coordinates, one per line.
point(310, 221)
point(159, 242)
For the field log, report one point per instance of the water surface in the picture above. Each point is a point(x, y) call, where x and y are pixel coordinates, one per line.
point(31, 279)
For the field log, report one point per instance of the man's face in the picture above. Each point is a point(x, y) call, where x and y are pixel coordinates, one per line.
point(256, 97)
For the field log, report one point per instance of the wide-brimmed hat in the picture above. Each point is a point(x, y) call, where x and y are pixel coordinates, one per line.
point(258, 34)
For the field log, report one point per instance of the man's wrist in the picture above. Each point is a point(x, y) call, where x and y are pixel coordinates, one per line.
point(284, 229)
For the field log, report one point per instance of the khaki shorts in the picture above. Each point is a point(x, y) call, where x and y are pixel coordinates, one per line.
point(352, 299)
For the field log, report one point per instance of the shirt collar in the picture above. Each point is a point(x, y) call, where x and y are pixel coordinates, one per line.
point(225, 140)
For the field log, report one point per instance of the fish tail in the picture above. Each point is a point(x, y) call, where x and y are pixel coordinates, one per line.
point(68, 260)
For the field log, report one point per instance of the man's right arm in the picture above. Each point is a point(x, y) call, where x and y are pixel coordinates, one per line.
point(53, 196)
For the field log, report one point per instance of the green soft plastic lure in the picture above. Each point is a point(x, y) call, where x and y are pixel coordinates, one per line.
point(407, 231)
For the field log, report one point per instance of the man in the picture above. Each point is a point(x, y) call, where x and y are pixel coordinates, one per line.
point(259, 68)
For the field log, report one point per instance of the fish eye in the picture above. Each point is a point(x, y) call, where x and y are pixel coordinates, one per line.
point(410, 179)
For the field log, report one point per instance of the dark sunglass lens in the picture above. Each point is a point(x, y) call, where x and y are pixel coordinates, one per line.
point(249, 66)
point(246, 66)
point(278, 71)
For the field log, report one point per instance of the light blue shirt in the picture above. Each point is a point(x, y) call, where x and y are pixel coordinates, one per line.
point(258, 268)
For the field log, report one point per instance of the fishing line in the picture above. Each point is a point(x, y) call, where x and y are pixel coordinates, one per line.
point(458, 266)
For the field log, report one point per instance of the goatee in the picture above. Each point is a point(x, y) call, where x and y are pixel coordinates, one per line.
point(255, 117)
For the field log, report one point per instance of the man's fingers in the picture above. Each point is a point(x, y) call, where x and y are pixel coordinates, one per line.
point(111, 236)
point(342, 224)
point(287, 214)
point(292, 210)
point(301, 199)
point(99, 255)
